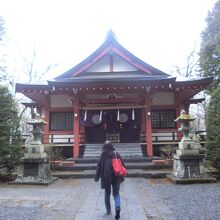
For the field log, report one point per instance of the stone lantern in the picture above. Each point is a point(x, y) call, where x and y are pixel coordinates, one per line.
point(188, 166)
point(34, 166)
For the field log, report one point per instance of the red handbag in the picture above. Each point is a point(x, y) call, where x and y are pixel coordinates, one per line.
point(118, 168)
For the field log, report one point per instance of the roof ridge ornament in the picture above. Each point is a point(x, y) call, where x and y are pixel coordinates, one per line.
point(110, 35)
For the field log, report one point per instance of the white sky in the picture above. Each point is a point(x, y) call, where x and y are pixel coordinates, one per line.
point(160, 32)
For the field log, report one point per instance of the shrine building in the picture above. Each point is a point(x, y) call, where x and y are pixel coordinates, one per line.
point(112, 95)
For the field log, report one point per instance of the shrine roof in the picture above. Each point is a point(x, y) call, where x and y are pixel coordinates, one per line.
point(111, 65)
point(111, 47)
point(111, 62)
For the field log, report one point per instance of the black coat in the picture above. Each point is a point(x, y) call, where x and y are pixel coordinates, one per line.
point(105, 171)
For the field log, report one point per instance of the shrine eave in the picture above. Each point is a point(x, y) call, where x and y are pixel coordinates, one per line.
point(205, 81)
point(79, 81)
point(111, 79)
point(196, 100)
point(19, 86)
point(30, 104)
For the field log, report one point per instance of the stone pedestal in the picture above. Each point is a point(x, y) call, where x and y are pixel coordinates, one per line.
point(34, 167)
point(34, 171)
point(188, 165)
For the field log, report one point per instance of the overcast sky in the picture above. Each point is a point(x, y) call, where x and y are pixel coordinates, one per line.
point(160, 32)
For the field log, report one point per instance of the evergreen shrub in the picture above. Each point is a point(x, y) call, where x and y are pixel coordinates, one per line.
point(10, 144)
point(213, 128)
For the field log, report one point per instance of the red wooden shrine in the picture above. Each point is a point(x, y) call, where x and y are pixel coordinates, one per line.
point(112, 95)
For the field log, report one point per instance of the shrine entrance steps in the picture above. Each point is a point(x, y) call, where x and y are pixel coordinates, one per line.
point(137, 166)
point(125, 150)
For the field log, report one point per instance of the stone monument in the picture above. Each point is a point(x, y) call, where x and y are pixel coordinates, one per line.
point(188, 166)
point(34, 166)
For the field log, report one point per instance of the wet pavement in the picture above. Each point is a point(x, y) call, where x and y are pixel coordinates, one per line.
point(82, 199)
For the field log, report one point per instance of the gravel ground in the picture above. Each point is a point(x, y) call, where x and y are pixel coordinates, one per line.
point(18, 213)
point(82, 199)
point(193, 202)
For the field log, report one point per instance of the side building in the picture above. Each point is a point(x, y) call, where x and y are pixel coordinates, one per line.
point(112, 95)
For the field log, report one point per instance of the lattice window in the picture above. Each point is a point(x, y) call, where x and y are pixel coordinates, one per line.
point(61, 121)
point(163, 119)
point(155, 119)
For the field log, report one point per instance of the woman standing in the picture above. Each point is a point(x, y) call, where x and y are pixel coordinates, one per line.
point(108, 179)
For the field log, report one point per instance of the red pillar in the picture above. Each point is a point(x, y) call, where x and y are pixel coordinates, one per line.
point(76, 128)
point(143, 120)
point(148, 128)
point(82, 134)
point(45, 116)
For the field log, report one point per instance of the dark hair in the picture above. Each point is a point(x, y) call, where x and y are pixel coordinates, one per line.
point(107, 147)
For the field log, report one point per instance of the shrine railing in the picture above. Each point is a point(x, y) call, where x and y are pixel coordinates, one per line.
point(159, 137)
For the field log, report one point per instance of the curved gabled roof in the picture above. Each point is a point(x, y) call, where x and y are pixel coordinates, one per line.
point(111, 46)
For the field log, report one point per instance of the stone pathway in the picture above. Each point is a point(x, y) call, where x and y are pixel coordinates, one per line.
point(82, 199)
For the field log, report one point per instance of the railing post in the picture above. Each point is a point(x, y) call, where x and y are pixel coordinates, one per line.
point(148, 127)
point(45, 116)
point(177, 104)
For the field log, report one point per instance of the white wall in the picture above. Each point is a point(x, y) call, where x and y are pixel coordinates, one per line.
point(163, 98)
point(60, 101)
point(119, 64)
point(101, 66)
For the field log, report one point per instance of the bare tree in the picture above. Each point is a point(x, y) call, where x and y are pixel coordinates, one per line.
point(35, 72)
point(191, 69)
point(3, 73)
point(199, 111)
point(31, 68)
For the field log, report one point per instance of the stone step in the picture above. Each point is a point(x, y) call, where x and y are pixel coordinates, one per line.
point(125, 149)
point(123, 154)
point(116, 144)
point(117, 148)
point(95, 147)
point(149, 174)
point(126, 159)
point(129, 166)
